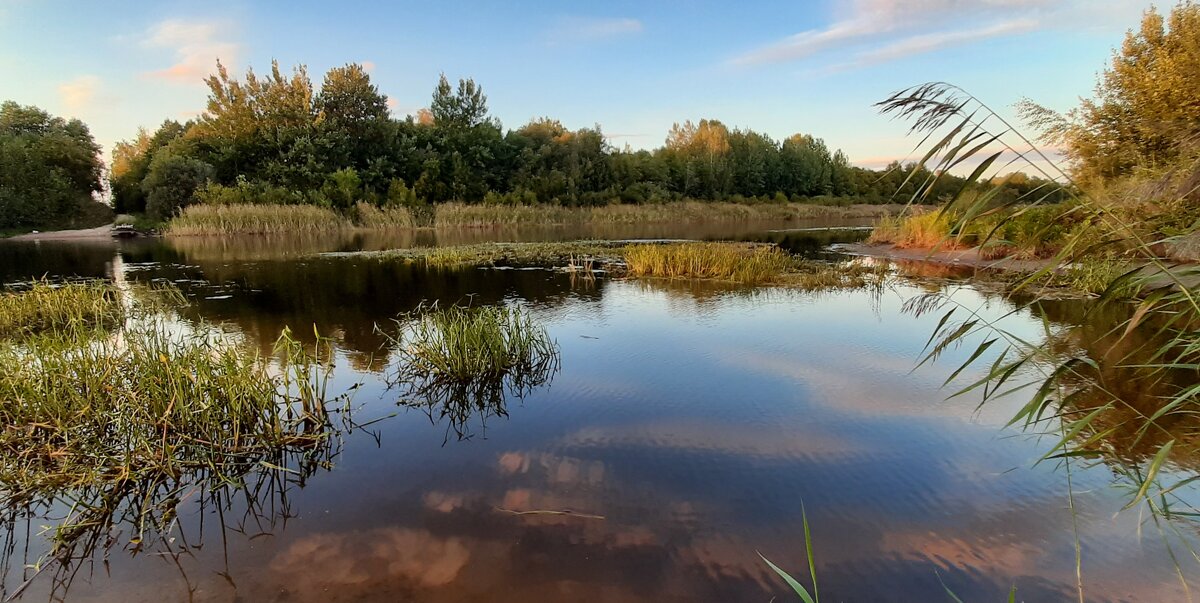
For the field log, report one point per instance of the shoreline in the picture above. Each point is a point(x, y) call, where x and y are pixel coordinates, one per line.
point(967, 258)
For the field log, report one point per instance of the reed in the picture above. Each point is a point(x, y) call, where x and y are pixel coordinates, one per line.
point(927, 230)
point(747, 264)
point(382, 218)
point(207, 219)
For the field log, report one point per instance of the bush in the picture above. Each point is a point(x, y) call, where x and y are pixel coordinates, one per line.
point(172, 182)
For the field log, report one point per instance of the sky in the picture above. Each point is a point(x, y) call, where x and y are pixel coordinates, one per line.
point(635, 68)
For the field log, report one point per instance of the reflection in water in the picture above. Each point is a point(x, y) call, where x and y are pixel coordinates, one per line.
point(686, 424)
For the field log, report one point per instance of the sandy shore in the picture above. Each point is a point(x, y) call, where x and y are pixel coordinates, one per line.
point(957, 257)
point(99, 232)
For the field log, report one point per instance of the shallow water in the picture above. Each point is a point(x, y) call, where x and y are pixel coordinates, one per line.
point(688, 426)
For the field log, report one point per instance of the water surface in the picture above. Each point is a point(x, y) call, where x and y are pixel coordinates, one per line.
point(689, 424)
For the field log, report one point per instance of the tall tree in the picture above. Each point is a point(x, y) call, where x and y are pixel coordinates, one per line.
point(49, 166)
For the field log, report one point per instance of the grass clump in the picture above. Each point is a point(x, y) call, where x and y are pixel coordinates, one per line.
point(111, 415)
point(48, 307)
point(462, 344)
point(207, 219)
point(916, 231)
point(748, 264)
point(460, 362)
point(370, 216)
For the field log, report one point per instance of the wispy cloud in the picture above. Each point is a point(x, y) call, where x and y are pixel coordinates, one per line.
point(368, 66)
point(592, 29)
point(77, 94)
point(197, 45)
point(886, 30)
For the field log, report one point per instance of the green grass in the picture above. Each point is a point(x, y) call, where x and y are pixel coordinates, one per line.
point(44, 306)
point(462, 344)
point(458, 362)
point(114, 413)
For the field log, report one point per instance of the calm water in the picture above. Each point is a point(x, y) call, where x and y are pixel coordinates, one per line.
point(688, 424)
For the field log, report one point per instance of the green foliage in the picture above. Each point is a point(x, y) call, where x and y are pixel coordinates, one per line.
point(278, 139)
point(172, 182)
point(1144, 114)
point(343, 188)
point(49, 167)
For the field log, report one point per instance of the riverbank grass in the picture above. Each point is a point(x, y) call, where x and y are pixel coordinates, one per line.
point(103, 416)
point(49, 307)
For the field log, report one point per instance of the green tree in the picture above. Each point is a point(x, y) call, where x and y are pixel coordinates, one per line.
point(49, 167)
point(172, 182)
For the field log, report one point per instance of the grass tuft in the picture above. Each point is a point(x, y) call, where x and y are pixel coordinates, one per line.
point(748, 264)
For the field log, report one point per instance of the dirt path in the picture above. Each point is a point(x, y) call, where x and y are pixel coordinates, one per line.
point(99, 232)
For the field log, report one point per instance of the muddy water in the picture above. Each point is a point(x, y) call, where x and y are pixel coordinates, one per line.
point(688, 425)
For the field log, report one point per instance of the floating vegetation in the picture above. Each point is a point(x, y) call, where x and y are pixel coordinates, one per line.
point(484, 254)
point(457, 362)
point(117, 423)
point(485, 215)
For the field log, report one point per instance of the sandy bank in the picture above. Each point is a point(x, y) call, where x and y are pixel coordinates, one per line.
point(957, 257)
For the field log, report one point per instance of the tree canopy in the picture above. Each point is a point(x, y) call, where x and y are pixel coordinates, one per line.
point(279, 139)
point(49, 167)
point(1145, 112)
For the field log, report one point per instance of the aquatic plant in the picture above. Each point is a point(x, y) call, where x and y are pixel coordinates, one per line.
point(113, 420)
point(748, 264)
point(44, 306)
point(473, 215)
point(460, 361)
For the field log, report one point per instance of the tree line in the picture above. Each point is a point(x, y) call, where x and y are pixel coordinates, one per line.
point(279, 139)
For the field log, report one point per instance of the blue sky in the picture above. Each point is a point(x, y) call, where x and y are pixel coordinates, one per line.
point(633, 67)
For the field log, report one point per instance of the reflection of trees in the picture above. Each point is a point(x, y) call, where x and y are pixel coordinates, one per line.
point(346, 297)
point(1119, 368)
point(1105, 388)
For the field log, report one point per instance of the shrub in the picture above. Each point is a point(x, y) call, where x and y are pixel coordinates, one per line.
point(172, 182)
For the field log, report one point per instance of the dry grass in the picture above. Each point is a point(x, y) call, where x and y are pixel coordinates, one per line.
point(748, 264)
point(918, 231)
point(255, 219)
point(369, 216)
